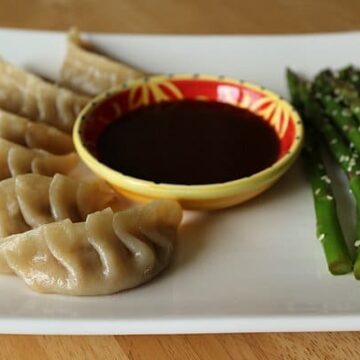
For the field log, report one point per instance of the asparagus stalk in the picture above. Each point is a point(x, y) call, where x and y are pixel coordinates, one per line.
point(345, 157)
point(341, 115)
point(350, 97)
point(327, 224)
point(312, 112)
point(345, 92)
point(344, 120)
point(328, 228)
point(351, 75)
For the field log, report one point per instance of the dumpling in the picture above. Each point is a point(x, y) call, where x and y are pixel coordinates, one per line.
point(11, 218)
point(75, 200)
point(5, 147)
point(16, 159)
point(106, 254)
point(28, 95)
point(24, 132)
point(31, 200)
point(32, 195)
point(19, 159)
point(90, 73)
point(49, 165)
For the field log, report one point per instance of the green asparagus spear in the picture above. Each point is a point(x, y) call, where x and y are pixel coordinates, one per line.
point(343, 119)
point(328, 227)
point(351, 75)
point(344, 92)
point(295, 83)
point(341, 115)
point(311, 110)
point(346, 158)
point(348, 161)
point(349, 97)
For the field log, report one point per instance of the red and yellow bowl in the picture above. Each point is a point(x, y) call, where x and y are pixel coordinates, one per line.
point(109, 106)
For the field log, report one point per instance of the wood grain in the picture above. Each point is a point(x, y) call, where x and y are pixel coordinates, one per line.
point(320, 346)
point(186, 16)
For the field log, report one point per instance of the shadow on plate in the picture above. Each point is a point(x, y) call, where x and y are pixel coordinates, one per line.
point(193, 236)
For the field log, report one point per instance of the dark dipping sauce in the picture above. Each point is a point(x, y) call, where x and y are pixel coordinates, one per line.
point(189, 142)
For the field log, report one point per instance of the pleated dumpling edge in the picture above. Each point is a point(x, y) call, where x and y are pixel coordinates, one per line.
point(104, 255)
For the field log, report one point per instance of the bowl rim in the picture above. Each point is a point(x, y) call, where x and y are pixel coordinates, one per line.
point(137, 185)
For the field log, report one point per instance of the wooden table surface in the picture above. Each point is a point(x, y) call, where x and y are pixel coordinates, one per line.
point(185, 16)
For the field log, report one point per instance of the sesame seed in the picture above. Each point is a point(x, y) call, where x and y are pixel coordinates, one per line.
point(334, 141)
point(317, 191)
point(357, 110)
point(326, 179)
point(357, 243)
point(345, 127)
point(357, 172)
point(344, 158)
point(345, 113)
point(329, 197)
point(321, 237)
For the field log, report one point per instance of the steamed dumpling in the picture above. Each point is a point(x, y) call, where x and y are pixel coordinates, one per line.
point(31, 200)
point(28, 95)
point(16, 159)
point(50, 165)
point(90, 73)
point(11, 218)
point(24, 132)
point(106, 254)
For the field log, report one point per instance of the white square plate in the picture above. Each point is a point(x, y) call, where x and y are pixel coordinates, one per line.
point(255, 267)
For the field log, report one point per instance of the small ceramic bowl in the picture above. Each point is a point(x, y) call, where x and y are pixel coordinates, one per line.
point(109, 106)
